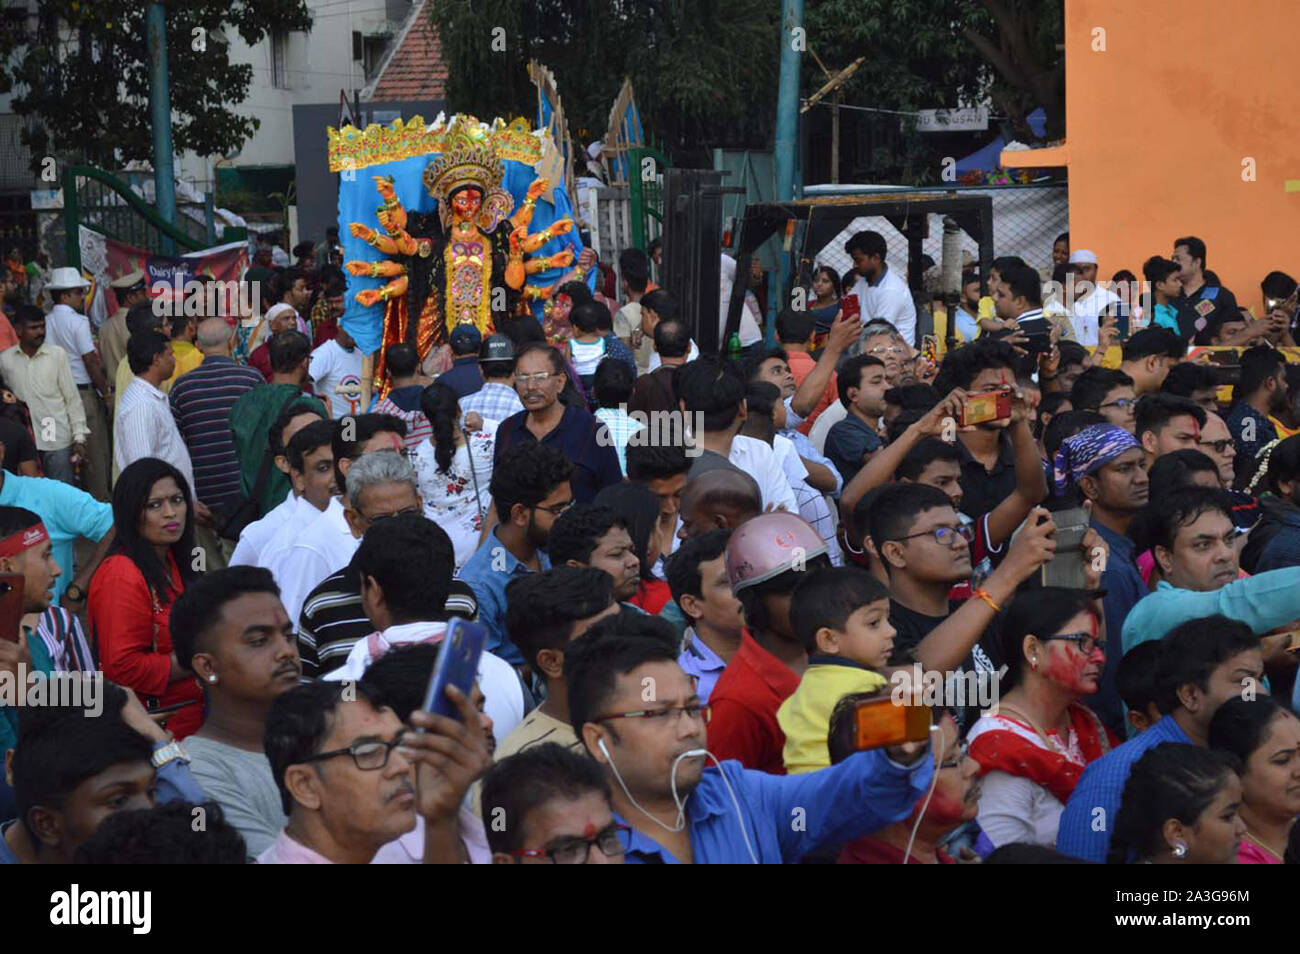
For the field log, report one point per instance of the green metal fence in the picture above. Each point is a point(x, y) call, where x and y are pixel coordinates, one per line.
point(101, 201)
point(646, 191)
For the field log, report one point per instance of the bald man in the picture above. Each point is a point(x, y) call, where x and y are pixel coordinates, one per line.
point(719, 499)
point(201, 401)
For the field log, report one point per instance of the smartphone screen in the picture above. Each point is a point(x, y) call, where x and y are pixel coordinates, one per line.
point(458, 659)
point(881, 723)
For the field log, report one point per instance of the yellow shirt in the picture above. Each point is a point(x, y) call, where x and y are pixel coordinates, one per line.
point(188, 358)
point(805, 717)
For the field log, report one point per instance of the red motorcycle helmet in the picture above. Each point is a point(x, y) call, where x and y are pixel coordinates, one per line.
point(764, 547)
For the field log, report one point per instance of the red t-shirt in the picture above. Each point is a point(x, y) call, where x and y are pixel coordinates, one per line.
point(135, 644)
point(744, 702)
point(652, 596)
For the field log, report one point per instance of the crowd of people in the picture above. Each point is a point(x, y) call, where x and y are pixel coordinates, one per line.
point(1026, 592)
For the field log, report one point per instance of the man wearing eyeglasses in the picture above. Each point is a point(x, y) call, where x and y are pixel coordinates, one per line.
point(352, 777)
point(555, 808)
point(540, 377)
point(639, 716)
point(925, 548)
point(530, 489)
point(1110, 393)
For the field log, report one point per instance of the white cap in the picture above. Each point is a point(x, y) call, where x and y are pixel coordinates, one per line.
point(276, 310)
point(66, 277)
point(1083, 256)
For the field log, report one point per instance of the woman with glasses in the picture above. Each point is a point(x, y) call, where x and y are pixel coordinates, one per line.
point(1265, 737)
point(1034, 744)
point(454, 468)
point(131, 594)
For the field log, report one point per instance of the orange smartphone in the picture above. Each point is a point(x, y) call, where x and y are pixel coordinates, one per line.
point(882, 722)
point(11, 606)
point(986, 406)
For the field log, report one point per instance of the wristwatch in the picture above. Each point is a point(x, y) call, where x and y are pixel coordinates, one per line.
point(168, 753)
point(74, 592)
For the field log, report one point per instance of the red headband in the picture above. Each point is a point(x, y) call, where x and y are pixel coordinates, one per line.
point(23, 541)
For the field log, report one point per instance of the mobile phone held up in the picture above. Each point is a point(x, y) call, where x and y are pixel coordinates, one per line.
point(882, 722)
point(1066, 567)
point(458, 659)
point(850, 307)
point(11, 606)
point(985, 406)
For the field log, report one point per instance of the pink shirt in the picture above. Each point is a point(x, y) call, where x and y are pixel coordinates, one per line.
point(1249, 853)
point(406, 850)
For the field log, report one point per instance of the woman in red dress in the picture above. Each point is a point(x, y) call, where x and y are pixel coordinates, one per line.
point(132, 592)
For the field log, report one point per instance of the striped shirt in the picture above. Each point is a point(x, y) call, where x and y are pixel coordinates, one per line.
point(145, 428)
point(66, 641)
point(405, 403)
point(201, 401)
point(333, 620)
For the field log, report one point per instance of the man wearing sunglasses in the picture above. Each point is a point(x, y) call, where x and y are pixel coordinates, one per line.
point(640, 718)
point(555, 806)
point(1216, 443)
point(353, 777)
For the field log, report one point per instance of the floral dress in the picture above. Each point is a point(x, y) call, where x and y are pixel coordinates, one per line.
point(451, 498)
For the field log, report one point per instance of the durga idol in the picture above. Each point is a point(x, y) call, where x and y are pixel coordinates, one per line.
point(465, 263)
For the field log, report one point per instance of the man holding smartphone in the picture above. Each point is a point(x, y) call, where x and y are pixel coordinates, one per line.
point(677, 810)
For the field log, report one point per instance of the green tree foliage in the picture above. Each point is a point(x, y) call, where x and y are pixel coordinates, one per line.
point(926, 54)
point(704, 71)
point(83, 77)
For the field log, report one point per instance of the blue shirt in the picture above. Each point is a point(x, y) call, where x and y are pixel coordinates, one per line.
point(463, 377)
point(1262, 602)
point(68, 513)
point(487, 573)
point(1124, 588)
point(1089, 815)
point(698, 660)
point(595, 463)
point(787, 816)
point(847, 442)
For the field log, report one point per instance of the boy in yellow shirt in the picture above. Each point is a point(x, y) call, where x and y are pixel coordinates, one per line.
point(841, 615)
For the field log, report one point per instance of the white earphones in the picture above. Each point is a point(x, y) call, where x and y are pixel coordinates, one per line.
point(681, 806)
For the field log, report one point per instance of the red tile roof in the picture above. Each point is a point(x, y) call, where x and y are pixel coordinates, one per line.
point(415, 71)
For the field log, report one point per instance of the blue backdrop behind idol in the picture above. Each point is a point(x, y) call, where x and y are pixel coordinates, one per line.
point(403, 151)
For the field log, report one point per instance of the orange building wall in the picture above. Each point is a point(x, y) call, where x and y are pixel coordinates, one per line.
point(1158, 125)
